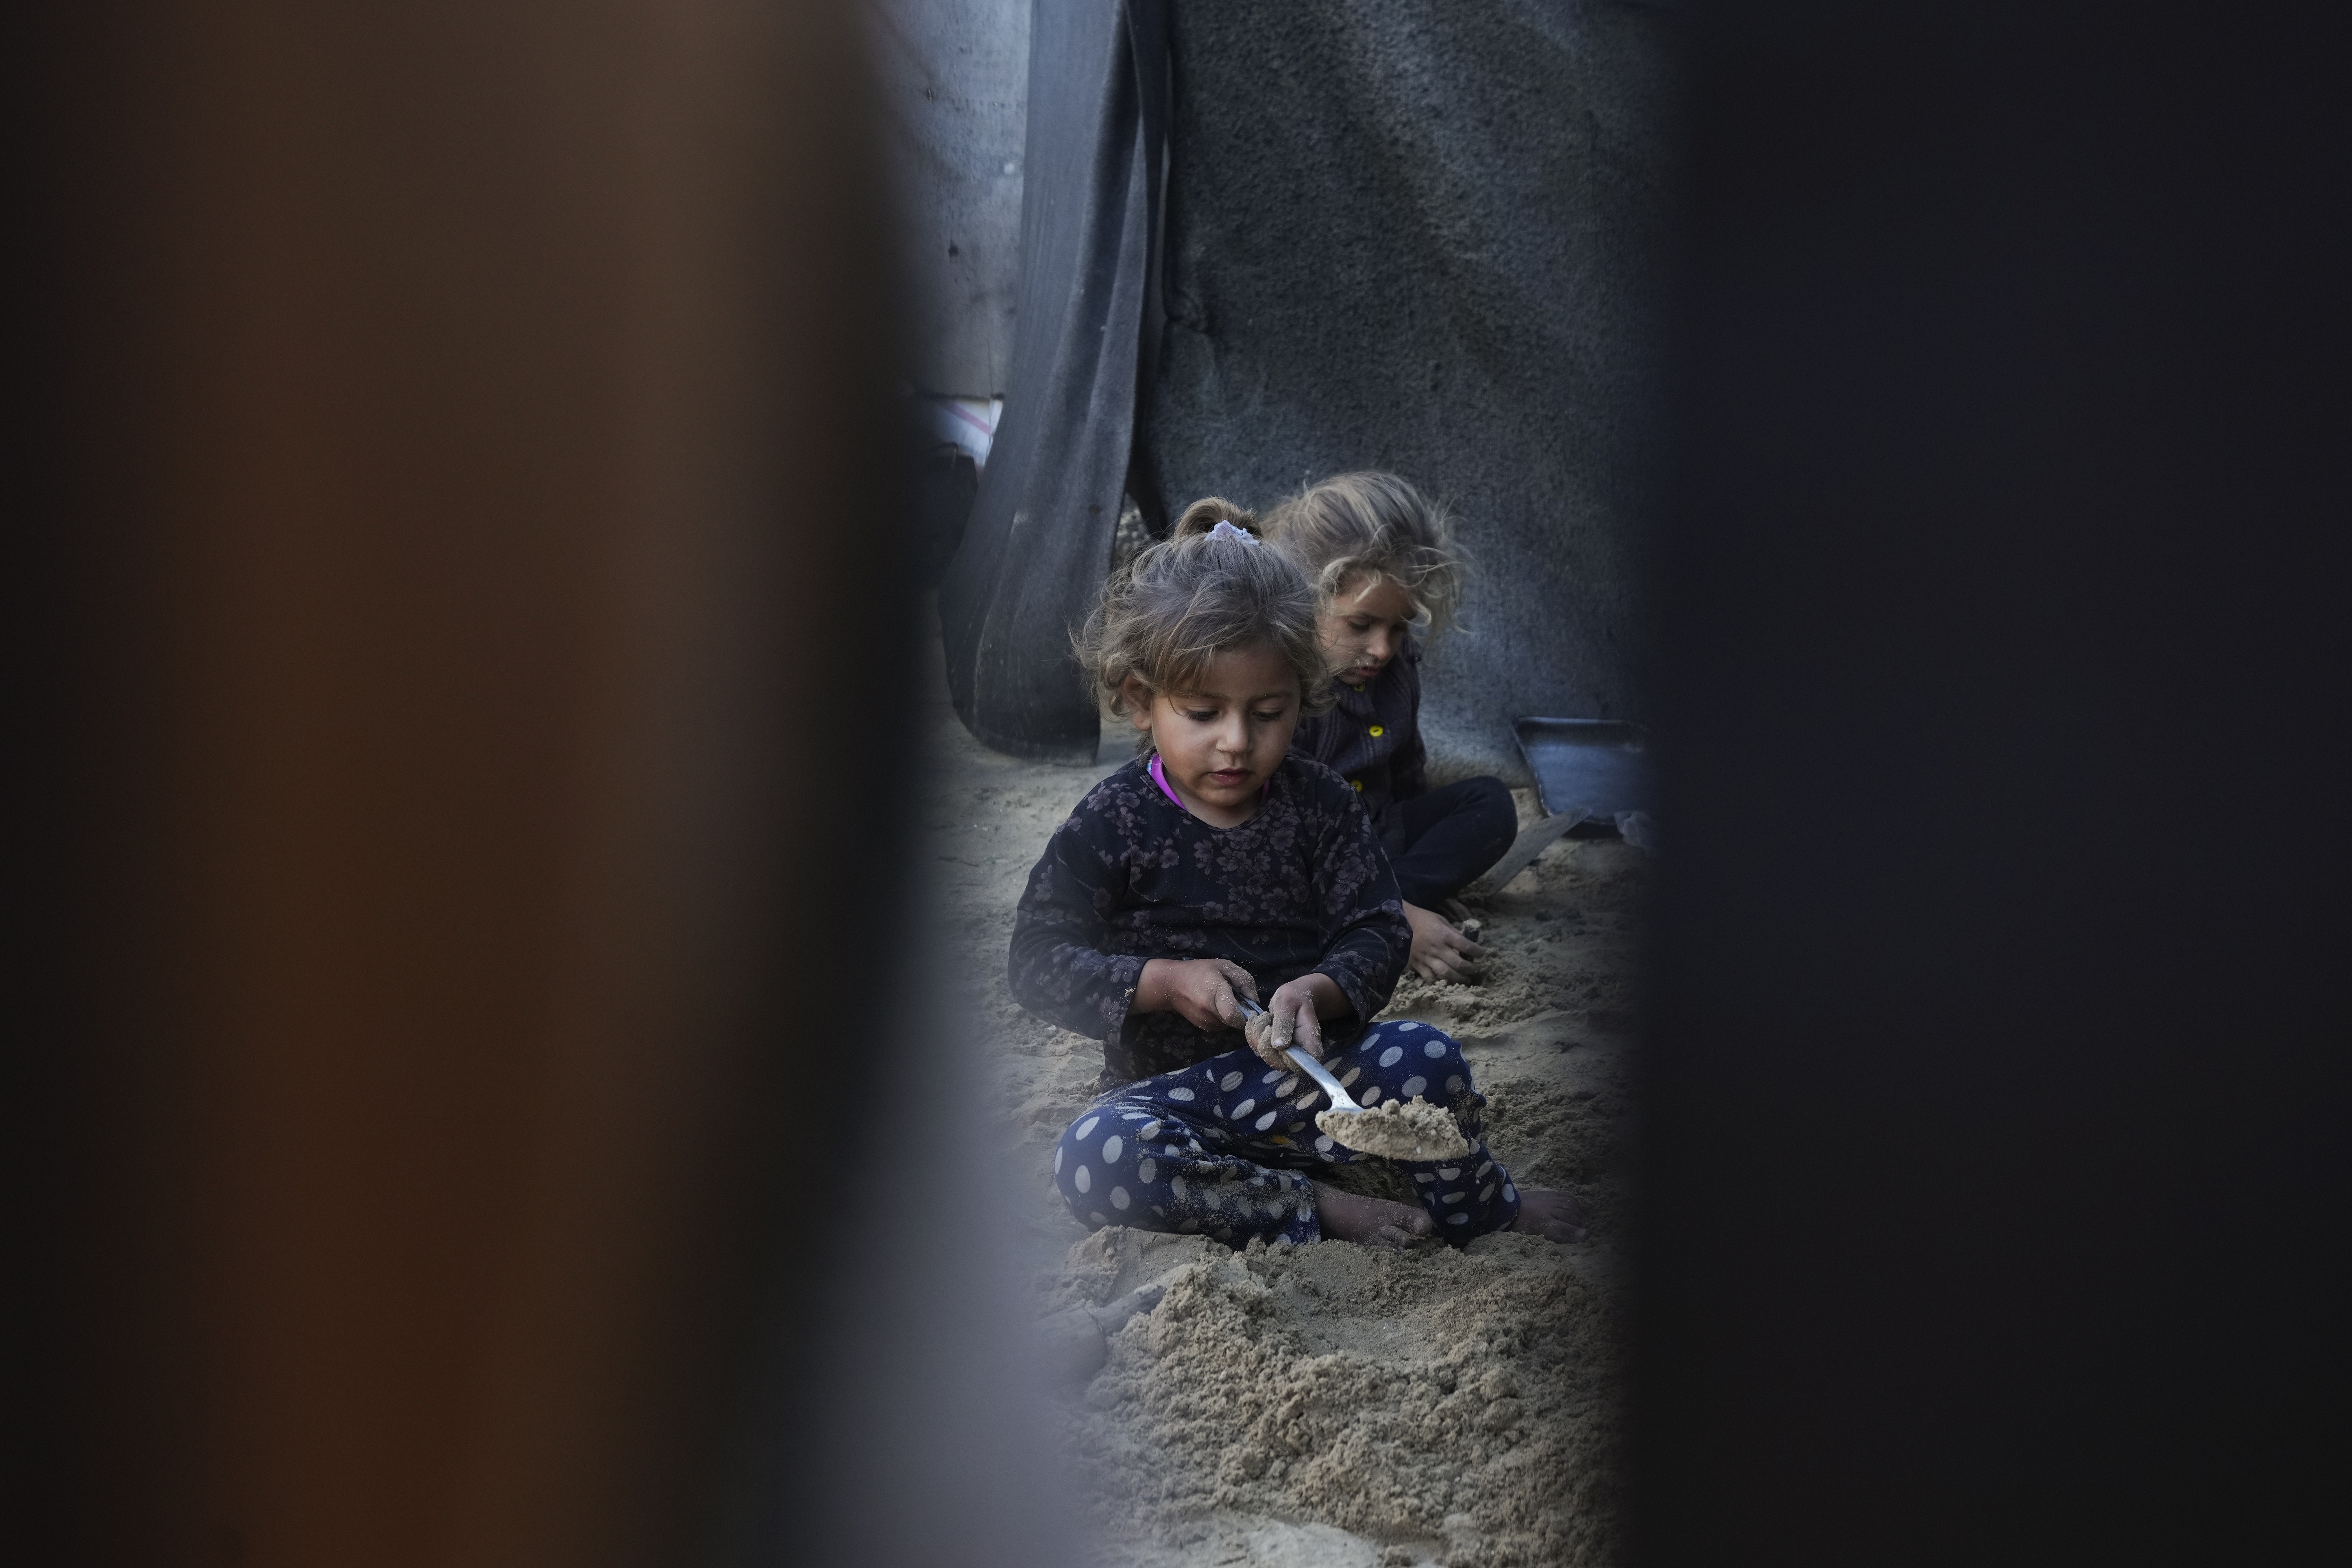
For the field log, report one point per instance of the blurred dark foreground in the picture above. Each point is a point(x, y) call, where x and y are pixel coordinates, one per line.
point(462, 620)
point(461, 613)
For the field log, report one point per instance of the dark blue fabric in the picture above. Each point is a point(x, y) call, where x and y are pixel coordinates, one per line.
point(1131, 875)
point(1228, 1146)
point(1439, 842)
point(1372, 735)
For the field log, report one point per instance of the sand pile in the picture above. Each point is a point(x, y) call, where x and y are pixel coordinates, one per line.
point(1414, 1402)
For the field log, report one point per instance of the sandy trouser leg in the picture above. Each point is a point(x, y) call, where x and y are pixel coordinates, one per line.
point(1175, 1153)
point(1400, 1061)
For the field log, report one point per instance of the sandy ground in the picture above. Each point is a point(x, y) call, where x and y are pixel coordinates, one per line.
point(1330, 1405)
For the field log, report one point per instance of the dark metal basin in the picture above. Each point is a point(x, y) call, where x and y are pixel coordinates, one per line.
point(1596, 767)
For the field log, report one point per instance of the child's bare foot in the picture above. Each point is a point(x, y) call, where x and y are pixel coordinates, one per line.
point(1549, 1214)
point(1370, 1222)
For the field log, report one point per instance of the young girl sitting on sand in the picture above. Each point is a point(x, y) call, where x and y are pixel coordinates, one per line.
point(1384, 567)
point(1220, 865)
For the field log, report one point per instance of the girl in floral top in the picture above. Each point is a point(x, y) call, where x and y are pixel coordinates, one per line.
point(1383, 562)
point(1219, 865)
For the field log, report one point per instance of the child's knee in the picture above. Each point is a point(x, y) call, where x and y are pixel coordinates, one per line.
point(1489, 802)
point(1093, 1161)
point(1408, 1060)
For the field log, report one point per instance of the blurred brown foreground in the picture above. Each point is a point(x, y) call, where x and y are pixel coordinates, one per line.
point(462, 598)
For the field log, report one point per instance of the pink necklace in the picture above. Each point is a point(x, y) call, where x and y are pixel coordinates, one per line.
point(1161, 780)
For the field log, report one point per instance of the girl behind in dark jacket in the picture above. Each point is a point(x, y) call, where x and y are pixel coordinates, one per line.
point(1386, 569)
point(1219, 865)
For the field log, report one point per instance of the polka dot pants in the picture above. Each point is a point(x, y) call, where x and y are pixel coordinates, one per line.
point(1227, 1146)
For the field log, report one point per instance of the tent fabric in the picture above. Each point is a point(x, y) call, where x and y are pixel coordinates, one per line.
point(951, 75)
point(1424, 238)
point(1038, 542)
point(1431, 239)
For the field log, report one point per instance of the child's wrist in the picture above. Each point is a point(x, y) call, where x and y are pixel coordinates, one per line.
point(1330, 1001)
point(1150, 988)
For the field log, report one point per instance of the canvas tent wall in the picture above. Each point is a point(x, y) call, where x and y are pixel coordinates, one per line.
point(954, 80)
point(1261, 244)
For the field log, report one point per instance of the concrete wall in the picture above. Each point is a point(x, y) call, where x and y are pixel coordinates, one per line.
point(955, 78)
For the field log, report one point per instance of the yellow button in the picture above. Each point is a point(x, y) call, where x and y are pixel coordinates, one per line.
point(1376, 730)
point(1357, 784)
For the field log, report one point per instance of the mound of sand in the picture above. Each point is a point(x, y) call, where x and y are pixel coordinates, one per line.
point(1431, 1404)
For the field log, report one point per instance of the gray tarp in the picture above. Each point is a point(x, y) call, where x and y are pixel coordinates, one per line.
point(953, 75)
point(1036, 549)
point(1426, 238)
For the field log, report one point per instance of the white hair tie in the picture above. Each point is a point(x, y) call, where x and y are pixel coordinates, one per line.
point(1243, 535)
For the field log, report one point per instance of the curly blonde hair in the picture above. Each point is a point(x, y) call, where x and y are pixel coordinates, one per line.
point(1372, 525)
point(1181, 603)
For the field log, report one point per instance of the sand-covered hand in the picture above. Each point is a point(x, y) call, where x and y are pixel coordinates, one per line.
point(1439, 950)
point(1205, 992)
point(1259, 1033)
point(1290, 1019)
point(1272, 1031)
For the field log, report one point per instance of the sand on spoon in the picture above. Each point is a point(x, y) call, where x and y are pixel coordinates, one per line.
point(1400, 1130)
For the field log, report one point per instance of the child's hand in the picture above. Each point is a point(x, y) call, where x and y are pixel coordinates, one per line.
point(1292, 1018)
point(1440, 951)
point(1200, 990)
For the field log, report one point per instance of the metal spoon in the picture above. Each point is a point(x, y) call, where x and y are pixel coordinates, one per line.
point(1332, 1088)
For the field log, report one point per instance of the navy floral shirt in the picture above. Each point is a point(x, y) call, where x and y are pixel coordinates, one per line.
point(1131, 877)
point(1372, 737)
